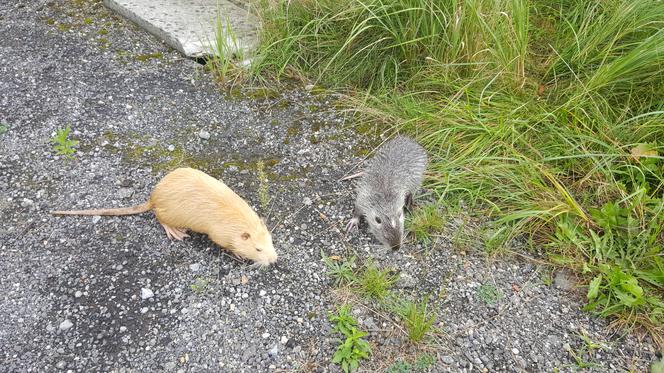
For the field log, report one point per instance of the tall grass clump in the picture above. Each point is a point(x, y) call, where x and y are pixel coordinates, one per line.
point(546, 115)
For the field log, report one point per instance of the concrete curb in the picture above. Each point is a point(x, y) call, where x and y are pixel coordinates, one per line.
point(190, 26)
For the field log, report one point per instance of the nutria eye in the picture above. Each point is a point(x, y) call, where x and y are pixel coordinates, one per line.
point(259, 250)
point(378, 220)
point(245, 236)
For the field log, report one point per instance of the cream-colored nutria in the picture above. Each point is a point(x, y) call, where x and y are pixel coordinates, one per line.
point(191, 199)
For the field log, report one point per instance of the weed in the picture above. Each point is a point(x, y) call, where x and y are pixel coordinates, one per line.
point(374, 282)
point(547, 116)
point(226, 50)
point(489, 294)
point(421, 364)
point(353, 348)
point(200, 285)
point(263, 188)
point(547, 277)
point(416, 318)
point(424, 361)
point(62, 145)
point(341, 271)
point(584, 351)
point(424, 222)
point(4, 128)
point(494, 239)
point(399, 367)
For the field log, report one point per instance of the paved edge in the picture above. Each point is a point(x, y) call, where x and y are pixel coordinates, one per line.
point(171, 39)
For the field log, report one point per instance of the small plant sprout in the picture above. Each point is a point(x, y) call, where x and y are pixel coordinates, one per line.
point(417, 318)
point(376, 283)
point(351, 350)
point(62, 145)
point(341, 271)
point(200, 285)
point(489, 294)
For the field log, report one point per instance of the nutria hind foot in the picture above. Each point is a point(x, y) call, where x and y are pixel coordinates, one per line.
point(175, 233)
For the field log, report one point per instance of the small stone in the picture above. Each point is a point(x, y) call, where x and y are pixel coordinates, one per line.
point(369, 323)
point(27, 202)
point(61, 364)
point(146, 293)
point(262, 293)
point(171, 148)
point(144, 310)
point(515, 351)
point(205, 135)
point(307, 201)
point(123, 329)
point(78, 294)
point(309, 87)
point(124, 193)
point(232, 307)
point(284, 339)
point(96, 219)
point(66, 325)
point(266, 335)
point(447, 360)
point(195, 267)
point(274, 350)
point(297, 349)
point(170, 366)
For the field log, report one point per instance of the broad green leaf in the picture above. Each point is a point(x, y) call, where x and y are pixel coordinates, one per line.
point(593, 288)
point(625, 298)
point(632, 286)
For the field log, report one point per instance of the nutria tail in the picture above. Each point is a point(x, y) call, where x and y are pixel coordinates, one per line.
point(119, 211)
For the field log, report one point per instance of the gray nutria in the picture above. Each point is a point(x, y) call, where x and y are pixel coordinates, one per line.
point(387, 184)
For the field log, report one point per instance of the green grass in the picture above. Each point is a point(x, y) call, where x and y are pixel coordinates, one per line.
point(341, 271)
point(425, 222)
point(374, 285)
point(545, 116)
point(417, 319)
point(374, 282)
point(62, 144)
point(226, 52)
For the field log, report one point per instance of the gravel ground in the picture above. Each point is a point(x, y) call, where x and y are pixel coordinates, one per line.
point(113, 294)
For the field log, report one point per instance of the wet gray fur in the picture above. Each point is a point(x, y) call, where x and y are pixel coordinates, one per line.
point(388, 183)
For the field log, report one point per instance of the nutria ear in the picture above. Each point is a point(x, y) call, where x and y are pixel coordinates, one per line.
point(245, 236)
